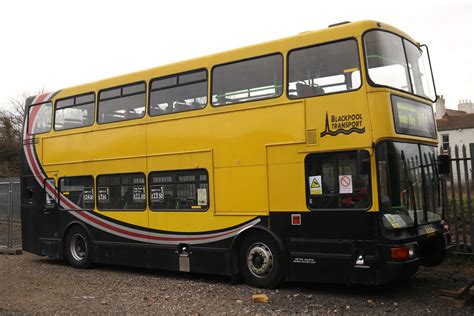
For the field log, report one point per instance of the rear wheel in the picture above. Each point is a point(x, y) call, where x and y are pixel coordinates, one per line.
point(261, 260)
point(78, 248)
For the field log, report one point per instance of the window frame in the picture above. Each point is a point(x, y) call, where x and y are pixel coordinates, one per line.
point(93, 190)
point(121, 96)
point(150, 174)
point(96, 198)
point(443, 142)
point(373, 84)
point(307, 188)
point(72, 106)
point(283, 79)
point(321, 44)
point(177, 75)
point(28, 120)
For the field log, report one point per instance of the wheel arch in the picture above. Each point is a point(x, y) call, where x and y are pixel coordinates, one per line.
point(235, 245)
point(70, 226)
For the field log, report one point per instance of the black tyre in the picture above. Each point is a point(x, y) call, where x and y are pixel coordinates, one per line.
point(261, 260)
point(78, 248)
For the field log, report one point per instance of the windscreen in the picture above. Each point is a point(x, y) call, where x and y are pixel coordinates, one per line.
point(408, 183)
point(397, 63)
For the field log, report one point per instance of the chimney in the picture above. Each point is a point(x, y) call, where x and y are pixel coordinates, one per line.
point(466, 106)
point(440, 107)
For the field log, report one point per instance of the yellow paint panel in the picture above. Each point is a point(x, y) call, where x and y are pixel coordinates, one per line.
point(67, 148)
point(182, 160)
point(287, 187)
point(193, 221)
point(241, 189)
point(139, 218)
point(115, 143)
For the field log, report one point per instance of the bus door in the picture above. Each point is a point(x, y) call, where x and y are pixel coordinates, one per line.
point(49, 212)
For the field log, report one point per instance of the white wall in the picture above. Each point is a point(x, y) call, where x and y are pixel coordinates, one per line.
point(458, 137)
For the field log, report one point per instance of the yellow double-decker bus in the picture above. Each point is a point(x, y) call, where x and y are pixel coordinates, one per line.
point(309, 158)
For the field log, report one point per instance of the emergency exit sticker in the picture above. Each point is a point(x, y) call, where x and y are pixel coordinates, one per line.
point(315, 185)
point(345, 183)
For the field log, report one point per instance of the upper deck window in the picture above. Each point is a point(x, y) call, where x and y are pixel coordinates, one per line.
point(248, 80)
point(39, 118)
point(122, 103)
point(397, 63)
point(73, 112)
point(178, 93)
point(321, 69)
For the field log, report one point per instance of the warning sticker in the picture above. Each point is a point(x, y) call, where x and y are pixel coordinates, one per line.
point(345, 183)
point(315, 185)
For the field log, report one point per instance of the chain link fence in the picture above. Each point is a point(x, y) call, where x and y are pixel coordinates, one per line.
point(10, 221)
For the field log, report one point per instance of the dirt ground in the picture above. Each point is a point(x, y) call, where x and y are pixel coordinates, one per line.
point(34, 285)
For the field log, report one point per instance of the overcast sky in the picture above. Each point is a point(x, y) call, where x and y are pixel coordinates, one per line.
point(56, 44)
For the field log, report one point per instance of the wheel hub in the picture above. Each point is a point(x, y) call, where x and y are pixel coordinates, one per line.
point(260, 260)
point(78, 247)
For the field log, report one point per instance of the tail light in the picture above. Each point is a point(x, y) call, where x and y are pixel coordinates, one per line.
point(400, 253)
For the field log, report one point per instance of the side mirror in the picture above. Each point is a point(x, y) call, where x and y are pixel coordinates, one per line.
point(363, 161)
point(444, 164)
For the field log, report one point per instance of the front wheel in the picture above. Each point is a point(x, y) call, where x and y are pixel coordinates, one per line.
point(78, 248)
point(261, 261)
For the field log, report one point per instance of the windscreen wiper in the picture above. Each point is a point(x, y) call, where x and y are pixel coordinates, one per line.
point(411, 195)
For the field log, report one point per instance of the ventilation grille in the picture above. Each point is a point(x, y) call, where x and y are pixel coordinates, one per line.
point(311, 137)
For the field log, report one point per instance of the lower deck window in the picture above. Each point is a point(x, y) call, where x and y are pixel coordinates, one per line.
point(179, 190)
point(79, 190)
point(121, 192)
point(334, 181)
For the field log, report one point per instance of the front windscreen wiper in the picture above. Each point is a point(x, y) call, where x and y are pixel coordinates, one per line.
point(411, 188)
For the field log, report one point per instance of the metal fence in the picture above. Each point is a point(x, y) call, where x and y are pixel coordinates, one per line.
point(460, 195)
point(10, 222)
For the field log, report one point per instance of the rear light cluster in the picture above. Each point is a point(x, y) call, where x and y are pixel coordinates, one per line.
point(402, 253)
point(445, 225)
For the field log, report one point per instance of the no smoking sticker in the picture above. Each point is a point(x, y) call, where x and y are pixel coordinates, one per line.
point(345, 183)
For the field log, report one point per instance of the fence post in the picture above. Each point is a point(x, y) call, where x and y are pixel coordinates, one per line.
point(461, 198)
point(10, 215)
point(453, 202)
point(469, 188)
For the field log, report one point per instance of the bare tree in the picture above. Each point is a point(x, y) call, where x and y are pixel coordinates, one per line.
point(11, 125)
point(17, 109)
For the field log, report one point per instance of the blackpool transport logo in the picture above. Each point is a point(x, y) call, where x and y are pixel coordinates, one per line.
point(345, 124)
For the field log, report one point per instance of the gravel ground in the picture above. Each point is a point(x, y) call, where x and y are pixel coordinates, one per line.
point(33, 285)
